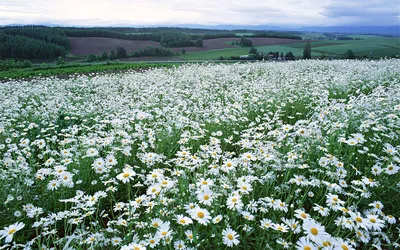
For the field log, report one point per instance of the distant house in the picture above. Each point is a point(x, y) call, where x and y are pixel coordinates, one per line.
point(244, 56)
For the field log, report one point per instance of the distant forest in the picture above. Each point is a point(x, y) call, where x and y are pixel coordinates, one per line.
point(41, 42)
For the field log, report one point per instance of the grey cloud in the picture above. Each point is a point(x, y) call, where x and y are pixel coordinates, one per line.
point(359, 8)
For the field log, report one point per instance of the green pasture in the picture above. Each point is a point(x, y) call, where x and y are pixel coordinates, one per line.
point(380, 46)
point(283, 48)
point(215, 54)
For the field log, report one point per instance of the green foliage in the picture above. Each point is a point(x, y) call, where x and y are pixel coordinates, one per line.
point(121, 52)
point(151, 51)
point(253, 50)
point(244, 42)
point(112, 55)
point(43, 33)
point(350, 54)
point(91, 58)
point(323, 56)
point(16, 46)
point(183, 51)
point(12, 64)
point(289, 56)
point(60, 61)
point(307, 51)
point(104, 56)
point(72, 69)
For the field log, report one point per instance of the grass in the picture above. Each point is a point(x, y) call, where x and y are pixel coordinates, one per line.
point(380, 46)
point(282, 48)
point(69, 69)
point(215, 54)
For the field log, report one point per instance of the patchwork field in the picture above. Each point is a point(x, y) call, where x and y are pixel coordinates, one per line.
point(380, 46)
point(97, 45)
point(296, 155)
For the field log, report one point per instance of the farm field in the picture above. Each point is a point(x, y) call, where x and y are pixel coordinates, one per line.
point(97, 45)
point(263, 155)
point(65, 71)
point(380, 46)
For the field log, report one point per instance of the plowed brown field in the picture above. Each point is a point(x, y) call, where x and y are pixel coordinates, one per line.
point(96, 45)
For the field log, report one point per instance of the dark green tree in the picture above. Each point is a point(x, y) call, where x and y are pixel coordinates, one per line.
point(121, 52)
point(104, 56)
point(289, 56)
point(253, 50)
point(60, 61)
point(183, 51)
point(111, 56)
point(91, 58)
point(350, 54)
point(199, 43)
point(307, 51)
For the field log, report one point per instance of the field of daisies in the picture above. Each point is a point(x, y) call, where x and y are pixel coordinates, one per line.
point(297, 155)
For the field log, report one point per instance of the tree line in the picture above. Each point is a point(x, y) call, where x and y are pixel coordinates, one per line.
point(16, 46)
point(39, 42)
point(47, 34)
point(121, 53)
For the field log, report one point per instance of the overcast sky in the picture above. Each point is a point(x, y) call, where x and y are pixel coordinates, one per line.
point(208, 12)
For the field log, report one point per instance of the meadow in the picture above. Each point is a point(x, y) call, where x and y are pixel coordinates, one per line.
point(295, 155)
point(380, 46)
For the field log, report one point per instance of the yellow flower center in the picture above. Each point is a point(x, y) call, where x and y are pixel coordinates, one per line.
point(326, 244)
point(344, 247)
point(230, 236)
point(303, 215)
point(12, 231)
point(182, 221)
point(200, 214)
point(372, 220)
point(126, 175)
point(307, 248)
point(358, 219)
point(314, 231)
point(164, 233)
point(152, 241)
point(206, 197)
